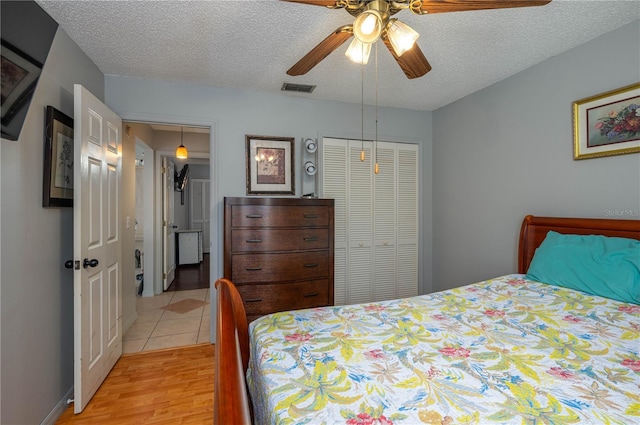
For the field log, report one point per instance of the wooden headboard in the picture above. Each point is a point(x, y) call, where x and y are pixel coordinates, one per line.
point(534, 230)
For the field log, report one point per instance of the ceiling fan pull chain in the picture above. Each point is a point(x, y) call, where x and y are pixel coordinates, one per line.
point(362, 108)
point(375, 168)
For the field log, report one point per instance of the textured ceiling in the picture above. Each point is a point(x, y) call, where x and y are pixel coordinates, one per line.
point(251, 44)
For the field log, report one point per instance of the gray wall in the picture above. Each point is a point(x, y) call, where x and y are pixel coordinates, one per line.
point(36, 291)
point(498, 154)
point(506, 151)
point(236, 113)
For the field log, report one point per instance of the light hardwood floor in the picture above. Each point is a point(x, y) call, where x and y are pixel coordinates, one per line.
point(172, 387)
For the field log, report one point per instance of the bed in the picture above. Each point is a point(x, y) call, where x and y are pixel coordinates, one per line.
point(506, 350)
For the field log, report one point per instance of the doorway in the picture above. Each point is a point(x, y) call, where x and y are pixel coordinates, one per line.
point(180, 313)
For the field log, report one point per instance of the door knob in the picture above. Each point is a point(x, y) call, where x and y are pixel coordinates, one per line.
point(68, 264)
point(89, 263)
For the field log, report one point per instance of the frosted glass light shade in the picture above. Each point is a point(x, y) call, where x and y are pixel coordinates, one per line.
point(368, 26)
point(181, 152)
point(359, 51)
point(402, 36)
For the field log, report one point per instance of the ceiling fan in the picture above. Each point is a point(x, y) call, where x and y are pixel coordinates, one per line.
point(373, 22)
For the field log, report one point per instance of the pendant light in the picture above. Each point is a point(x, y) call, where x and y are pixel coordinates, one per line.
point(181, 152)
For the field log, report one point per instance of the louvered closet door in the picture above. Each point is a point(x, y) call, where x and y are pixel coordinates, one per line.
point(407, 216)
point(360, 223)
point(376, 219)
point(384, 211)
point(335, 166)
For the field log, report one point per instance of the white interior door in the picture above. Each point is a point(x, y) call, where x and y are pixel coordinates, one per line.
point(408, 209)
point(97, 244)
point(360, 222)
point(334, 170)
point(168, 225)
point(385, 225)
point(199, 209)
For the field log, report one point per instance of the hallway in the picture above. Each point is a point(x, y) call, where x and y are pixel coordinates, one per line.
point(178, 317)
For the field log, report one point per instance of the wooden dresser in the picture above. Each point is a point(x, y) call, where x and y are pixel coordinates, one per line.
point(279, 252)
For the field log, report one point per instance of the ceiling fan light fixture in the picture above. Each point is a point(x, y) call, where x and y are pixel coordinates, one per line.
point(401, 36)
point(358, 51)
point(368, 26)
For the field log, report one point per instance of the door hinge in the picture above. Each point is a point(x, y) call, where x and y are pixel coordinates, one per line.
point(164, 275)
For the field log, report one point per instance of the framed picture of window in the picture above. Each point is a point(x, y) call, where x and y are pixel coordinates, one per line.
point(607, 124)
point(58, 160)
point(270, 165)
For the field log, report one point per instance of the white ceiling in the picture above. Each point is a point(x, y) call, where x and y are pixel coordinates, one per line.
point(251, 44)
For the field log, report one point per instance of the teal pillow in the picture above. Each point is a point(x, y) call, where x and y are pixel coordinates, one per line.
point(598, 265)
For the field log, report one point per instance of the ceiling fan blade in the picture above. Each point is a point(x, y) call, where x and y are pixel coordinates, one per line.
point(325, 3)
point(412, 62)
point(442, 6)
point(322, 50)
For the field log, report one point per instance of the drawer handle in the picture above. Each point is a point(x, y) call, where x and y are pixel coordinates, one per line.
point(311, 294)
point(311, 216)
point(312, 239)
point(254, 215)
point(253, 241)
point(310, 265)
point(253, 300)
point(253, 269)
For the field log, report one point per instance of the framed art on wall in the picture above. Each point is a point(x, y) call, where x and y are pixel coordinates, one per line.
point(270, 165)
point(607, 124)
point(20, 73)
point(58, 160)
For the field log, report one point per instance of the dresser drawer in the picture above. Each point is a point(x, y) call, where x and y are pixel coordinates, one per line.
point(260, 240)
point(264, 299)
point(279, 267)
point(279, 216)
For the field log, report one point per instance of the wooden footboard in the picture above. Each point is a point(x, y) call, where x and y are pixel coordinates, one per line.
point(231, 400)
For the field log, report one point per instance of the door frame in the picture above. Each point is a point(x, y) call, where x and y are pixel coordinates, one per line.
point(148, 207)
point(215, 212)
point(158, 248)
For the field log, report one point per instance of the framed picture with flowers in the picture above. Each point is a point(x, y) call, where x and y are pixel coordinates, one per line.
point(607, 124)
point(270, 168)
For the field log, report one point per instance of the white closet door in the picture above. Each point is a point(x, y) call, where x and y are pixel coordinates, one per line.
point(384, 210)
point(407, 225)
point(376, 219)
point(360, 223)
point(334, 169)
point(199, 209)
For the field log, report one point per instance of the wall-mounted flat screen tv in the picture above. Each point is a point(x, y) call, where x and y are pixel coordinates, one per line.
point(27, 34)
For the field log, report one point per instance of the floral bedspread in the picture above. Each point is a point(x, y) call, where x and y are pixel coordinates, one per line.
point(503, 351)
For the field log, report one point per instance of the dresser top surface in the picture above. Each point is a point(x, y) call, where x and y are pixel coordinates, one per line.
point(230, 200)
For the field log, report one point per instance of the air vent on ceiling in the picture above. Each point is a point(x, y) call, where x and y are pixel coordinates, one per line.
point(300, 88)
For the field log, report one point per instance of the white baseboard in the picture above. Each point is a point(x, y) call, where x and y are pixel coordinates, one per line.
point(57, 411)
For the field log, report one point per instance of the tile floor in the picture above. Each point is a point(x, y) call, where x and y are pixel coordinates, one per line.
point(156, 328)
